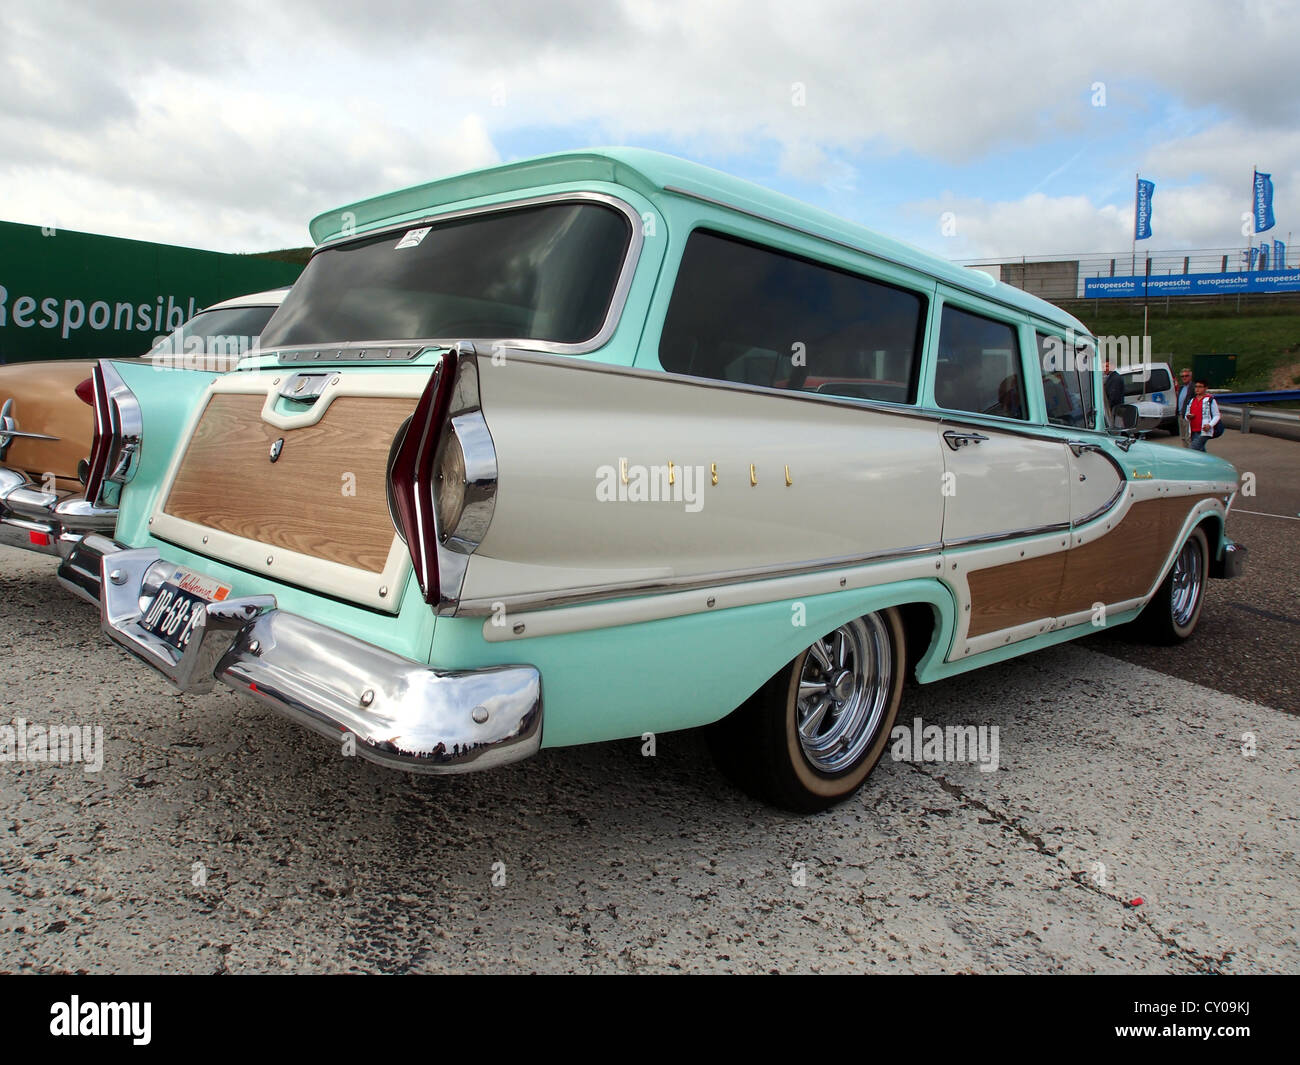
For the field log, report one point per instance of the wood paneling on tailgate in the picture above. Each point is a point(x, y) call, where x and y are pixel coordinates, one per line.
point(226, 480)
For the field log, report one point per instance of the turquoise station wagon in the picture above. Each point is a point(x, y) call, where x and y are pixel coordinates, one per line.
point(607, 443)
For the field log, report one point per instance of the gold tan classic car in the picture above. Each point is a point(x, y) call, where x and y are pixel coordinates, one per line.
point(47, 422)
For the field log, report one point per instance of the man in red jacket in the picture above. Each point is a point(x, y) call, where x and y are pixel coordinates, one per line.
point(1202, 416)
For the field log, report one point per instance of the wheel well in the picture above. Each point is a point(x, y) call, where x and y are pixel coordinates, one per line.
point(1213, 525)
point(921, 625)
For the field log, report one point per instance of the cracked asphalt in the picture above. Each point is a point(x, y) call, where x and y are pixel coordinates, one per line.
point(219, 838)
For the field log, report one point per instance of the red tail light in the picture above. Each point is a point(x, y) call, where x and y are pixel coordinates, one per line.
point(103, 438)
point(412, 476)
point(86, 391)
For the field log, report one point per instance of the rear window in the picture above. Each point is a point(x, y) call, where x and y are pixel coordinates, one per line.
point(1139, 383)
point(745, 313)
point(544, 273)
point(229, 333)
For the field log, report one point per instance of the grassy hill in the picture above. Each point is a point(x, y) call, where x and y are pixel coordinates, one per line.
point(1265, 339)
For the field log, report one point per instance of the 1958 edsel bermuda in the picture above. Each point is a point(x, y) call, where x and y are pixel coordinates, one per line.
point(606, 443)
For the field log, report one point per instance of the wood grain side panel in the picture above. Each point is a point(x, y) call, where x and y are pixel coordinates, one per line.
point(226, 480)
point(1121, 565)
point(1125, 562)
point(1014, 593)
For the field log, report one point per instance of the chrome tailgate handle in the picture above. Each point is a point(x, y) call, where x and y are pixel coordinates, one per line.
point(956, 440)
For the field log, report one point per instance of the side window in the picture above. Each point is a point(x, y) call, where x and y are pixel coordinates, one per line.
point(979, 366)
point(741, 312)
point(1145, 382)
point(1066, 391)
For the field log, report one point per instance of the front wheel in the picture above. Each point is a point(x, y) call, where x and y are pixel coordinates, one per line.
point(1174, 610)
point(811, 735)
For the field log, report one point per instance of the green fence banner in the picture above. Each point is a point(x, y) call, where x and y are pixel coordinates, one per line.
point(80, 295)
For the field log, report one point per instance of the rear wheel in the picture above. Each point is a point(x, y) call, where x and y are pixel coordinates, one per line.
point(1174, 610)
point(811, 735)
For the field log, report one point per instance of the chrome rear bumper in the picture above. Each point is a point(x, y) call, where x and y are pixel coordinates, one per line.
point(48, 522)
point(402, 714)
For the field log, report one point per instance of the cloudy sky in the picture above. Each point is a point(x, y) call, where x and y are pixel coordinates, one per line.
point(228, 126)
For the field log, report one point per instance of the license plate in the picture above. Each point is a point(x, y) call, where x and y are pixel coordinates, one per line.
point(179, 605)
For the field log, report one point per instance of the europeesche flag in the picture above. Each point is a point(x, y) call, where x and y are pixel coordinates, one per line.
point(1142, 215)
point(1264, 202)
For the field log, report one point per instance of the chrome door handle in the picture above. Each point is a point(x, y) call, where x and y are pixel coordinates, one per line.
point(957, 440)
point(1079, 447)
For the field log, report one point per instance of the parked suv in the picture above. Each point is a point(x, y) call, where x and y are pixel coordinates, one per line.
point(1150, 387)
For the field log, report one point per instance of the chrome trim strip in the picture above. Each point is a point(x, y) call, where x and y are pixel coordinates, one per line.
point(1016, 534)
point(937, 415)
point(618, 298)
point(1105, 508)
point(924, 271)
point(484, 607)
point(545, 358)
point(1113, 501)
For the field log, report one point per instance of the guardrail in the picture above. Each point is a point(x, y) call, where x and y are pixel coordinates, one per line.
point(1240, 403)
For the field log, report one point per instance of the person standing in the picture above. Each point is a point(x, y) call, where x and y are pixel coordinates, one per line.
point(1203, 417)
point(1186, 390)
point(1113, 386)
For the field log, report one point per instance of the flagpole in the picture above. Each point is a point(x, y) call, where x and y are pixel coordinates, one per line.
point(1250, 247)
point(1133, 265)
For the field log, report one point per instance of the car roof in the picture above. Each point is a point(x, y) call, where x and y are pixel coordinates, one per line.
point(271, 298)
point(655, 174)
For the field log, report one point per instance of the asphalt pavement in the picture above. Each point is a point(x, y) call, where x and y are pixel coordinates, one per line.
point(1137, 821)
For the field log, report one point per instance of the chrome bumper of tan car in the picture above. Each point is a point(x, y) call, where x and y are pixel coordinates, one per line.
point(399, 713)
point(51, 523)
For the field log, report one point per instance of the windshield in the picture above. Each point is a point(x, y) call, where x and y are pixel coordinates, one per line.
point(544, 273)
point(221, 337)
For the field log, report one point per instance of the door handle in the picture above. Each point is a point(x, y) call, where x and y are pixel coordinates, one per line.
point(956, 440)
point(1080, 447)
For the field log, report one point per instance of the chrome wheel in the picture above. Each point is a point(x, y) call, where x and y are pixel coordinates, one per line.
point(1187, 577)
point(844, 691)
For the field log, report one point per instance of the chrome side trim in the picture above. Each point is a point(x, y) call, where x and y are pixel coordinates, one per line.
point(1015, 534)
point(545, 358)
point(484, 607)
point(1105, 508)
point(936, 415)
point(402, 714)
point(618, 298)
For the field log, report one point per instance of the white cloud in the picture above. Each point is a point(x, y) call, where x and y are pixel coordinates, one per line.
point(226, 128)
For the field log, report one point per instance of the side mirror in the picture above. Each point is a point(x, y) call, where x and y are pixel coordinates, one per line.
point(1126, 417)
